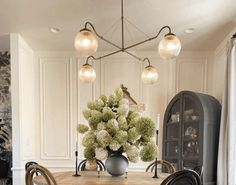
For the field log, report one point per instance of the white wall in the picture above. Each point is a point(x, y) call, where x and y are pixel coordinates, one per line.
point(219, 67)
point(61, 97)
point(48, 98)
point(23, 120)
point(4, 43)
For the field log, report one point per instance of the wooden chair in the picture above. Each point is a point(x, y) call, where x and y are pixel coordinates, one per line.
point(32, 170)
point(199, 170)
point(82, 165)
point(183, 177)
point(30, 163)
point(169, 168)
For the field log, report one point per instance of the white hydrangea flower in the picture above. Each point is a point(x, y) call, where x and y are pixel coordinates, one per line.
point(103, 137)
point(133, 154)
point(124, 101)
point(101, 154)
point(123, 110)
point(112, 126)
point(114, 145)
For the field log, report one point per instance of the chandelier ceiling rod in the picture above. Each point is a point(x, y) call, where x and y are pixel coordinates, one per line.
point(122, 24)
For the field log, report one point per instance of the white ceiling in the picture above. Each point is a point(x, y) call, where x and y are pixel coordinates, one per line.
point(212, 19)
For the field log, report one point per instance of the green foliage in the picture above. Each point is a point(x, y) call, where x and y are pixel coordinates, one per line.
point(81, 128)
point(121, 136)
point(103, 98)
point(107, 114)
point(145, 127)
point(101, 126)
point(122, 123)
point(148, 152)
point(89, 153)
point(94, 119)
point(119, 94)
point(96, 105)
point(114, 127)
point(112, 100)
point(133, 135)
point(89, 139)
point(87, 114)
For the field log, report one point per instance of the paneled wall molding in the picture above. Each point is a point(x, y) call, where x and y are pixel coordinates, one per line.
point(47, 65)
point(122, 68)
point(197, 68)
point(111, 72)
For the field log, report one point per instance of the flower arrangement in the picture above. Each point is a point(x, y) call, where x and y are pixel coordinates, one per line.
point(114, 127)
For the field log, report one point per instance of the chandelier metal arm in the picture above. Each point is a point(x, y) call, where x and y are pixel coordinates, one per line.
point(111, 43)
point(101, 37)
point(109, 54)
point(149, 39)
point(104, 56)
point(121, 49)
point(147, 59)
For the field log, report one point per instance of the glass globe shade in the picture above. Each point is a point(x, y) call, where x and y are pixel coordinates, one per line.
point(149, 75)
point(169, 47)
point(86, 42)
point(87, 74)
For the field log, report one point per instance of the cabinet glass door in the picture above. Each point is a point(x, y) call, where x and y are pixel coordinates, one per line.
point(172, 135)
point(190, 130)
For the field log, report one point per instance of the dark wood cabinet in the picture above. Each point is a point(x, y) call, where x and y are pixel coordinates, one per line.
point(191, 133)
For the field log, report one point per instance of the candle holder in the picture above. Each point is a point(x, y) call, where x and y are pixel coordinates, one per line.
point(155, 171)
point(155, 163)
point(98, 170)
point(126, 175)
point(76, 165)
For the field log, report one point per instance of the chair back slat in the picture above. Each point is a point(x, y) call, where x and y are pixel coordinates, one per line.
point(34, 169)
point(99, 163)
point(167, 165)
point(186, 177)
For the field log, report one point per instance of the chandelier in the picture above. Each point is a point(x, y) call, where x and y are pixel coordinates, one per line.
point(86, 44)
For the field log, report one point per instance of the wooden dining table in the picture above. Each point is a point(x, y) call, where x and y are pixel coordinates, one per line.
point(92, 178)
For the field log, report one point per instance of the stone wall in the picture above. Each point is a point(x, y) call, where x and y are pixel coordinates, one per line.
point(5, 119)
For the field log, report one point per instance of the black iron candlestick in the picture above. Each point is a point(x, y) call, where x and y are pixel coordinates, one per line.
point(76, 165)
point(155, 163)
point(155, 171)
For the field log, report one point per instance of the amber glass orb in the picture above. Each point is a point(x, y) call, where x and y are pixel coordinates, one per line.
point(149, 75)
point(86, 42)
point(169, 47)
point(87, 73)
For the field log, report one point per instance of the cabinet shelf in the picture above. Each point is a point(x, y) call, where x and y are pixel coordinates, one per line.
point(190, 139)
point(172, 158)
point(172, 123)
point(191, 158)
point(172, 140)
point(191, 122)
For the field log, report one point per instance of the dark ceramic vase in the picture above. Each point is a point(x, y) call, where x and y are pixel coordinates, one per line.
point(116, 164)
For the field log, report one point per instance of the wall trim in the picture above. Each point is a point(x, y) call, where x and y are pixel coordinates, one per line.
point(43, 153)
